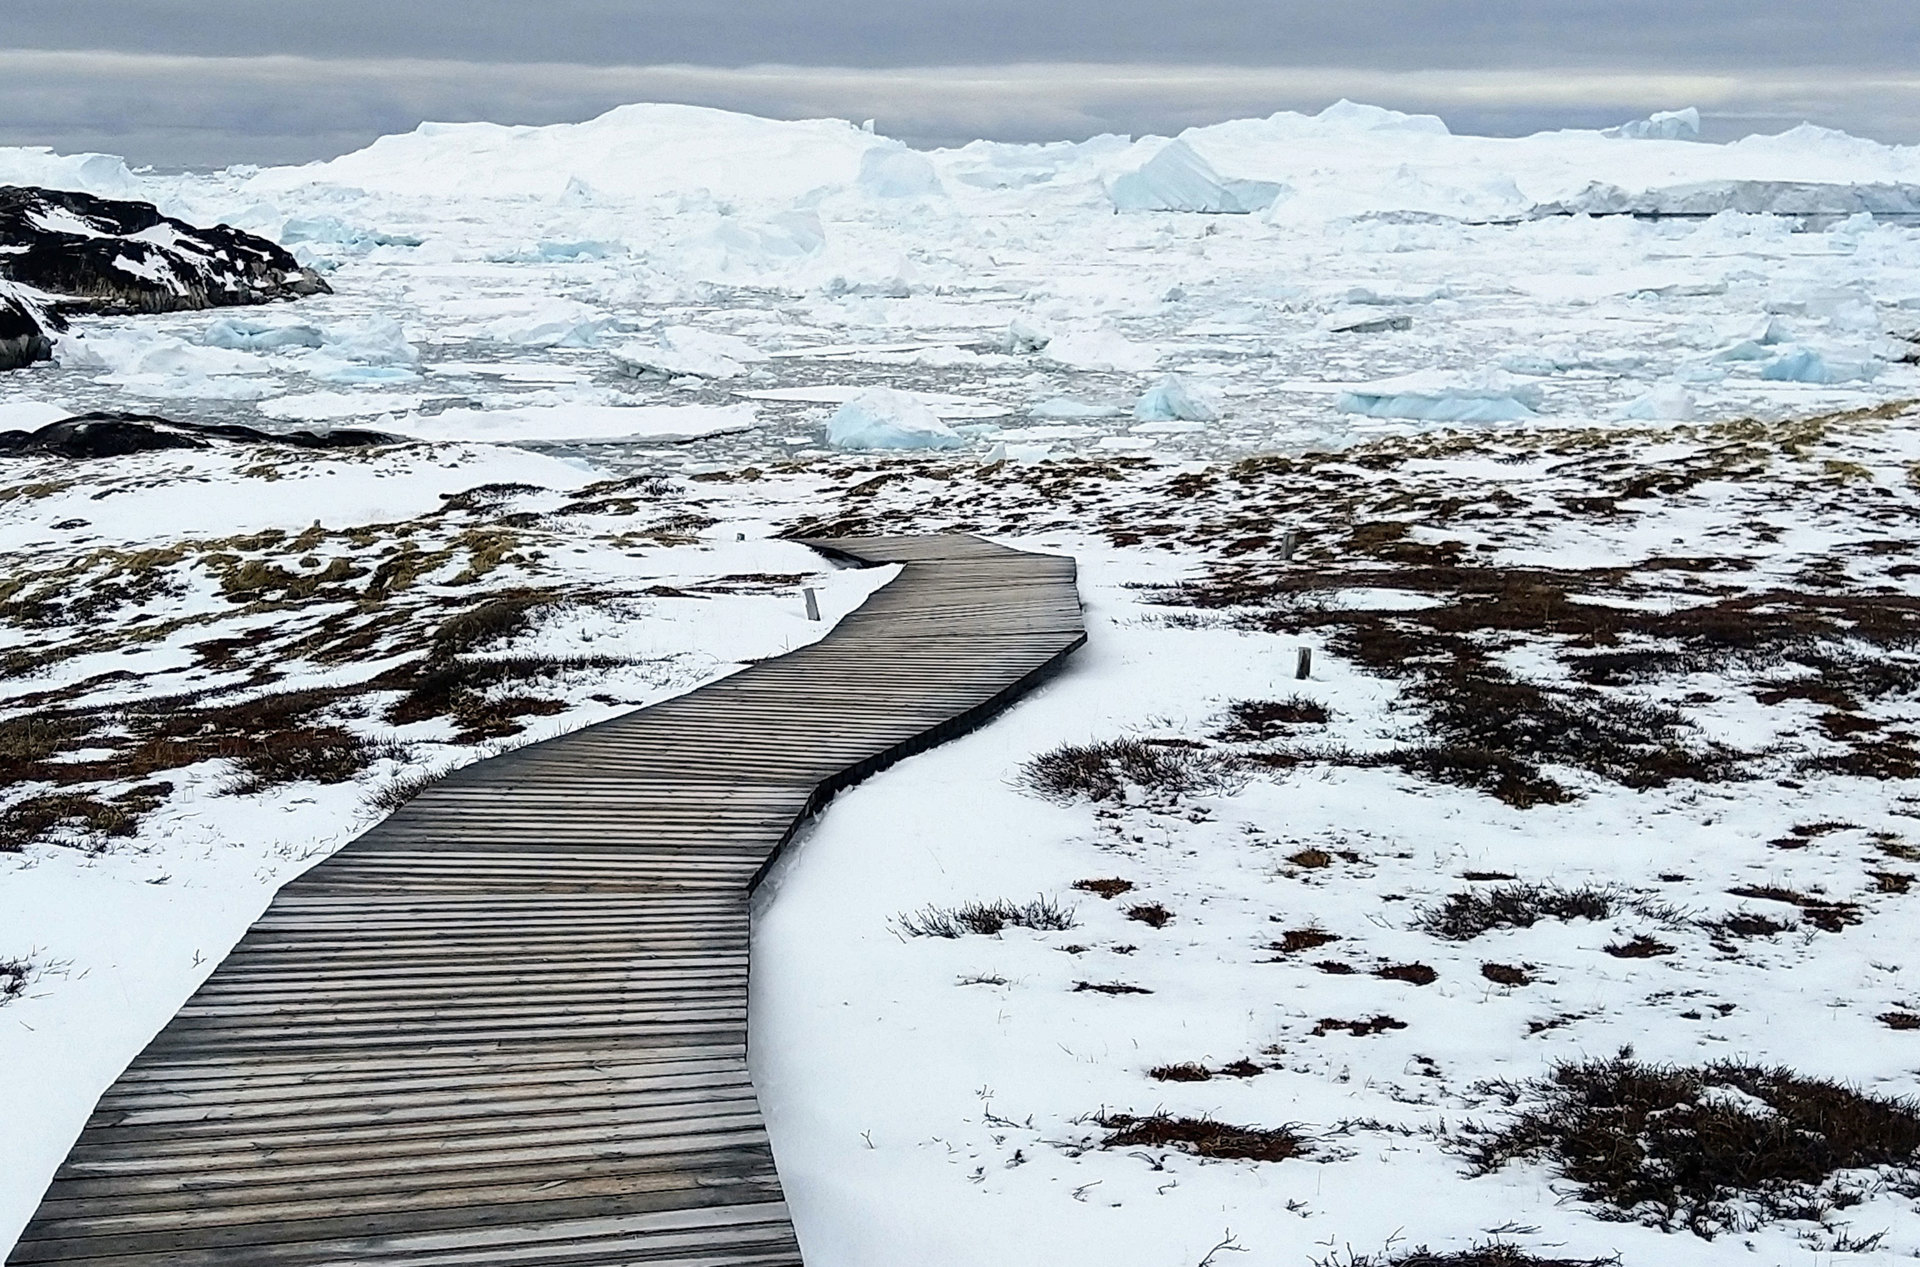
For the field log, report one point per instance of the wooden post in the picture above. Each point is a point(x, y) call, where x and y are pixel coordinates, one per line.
point(813, 603)
point(1289, 542)
point(1303, 665)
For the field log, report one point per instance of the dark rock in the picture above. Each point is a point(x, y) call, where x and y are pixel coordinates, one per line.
point(103, 255)
point(23, 340)
point(109, 435)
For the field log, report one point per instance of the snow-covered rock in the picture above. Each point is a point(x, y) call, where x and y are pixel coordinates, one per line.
point(882, 418)
point(1174, 398)
point(1437, 396)
point(1178, 179)
point(100, 255)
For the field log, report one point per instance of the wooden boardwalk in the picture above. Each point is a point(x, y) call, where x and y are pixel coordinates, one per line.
point(508, 1025)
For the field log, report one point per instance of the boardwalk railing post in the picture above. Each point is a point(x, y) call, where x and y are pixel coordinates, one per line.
point(1303, 665)
point(813, 603)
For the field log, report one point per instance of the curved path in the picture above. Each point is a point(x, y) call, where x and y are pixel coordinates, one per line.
point(508, 1025)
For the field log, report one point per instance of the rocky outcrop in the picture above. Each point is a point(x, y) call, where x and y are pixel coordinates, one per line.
point(108, 435)
point(80, 253)
point(23, 339)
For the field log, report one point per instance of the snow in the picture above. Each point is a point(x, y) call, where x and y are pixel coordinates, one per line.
point(881, 418)
point(31, 415)
point(1434, 396)
point(575, 424)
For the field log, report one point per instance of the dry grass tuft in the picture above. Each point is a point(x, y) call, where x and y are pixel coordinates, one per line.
point(988, 919)
point(1296, 940)
point(1203, 1137)
point(1488, 1255)
point(1720, 1147)
point(1465, 916)
point(1108, 889)
point(1152, 914)
point(1108, 771)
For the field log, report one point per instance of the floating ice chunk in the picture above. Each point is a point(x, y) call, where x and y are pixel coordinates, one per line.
point(1065, 407)
point(244, 335)
point(1178, 179)
point(326, 406)
point(881, 418)
point(1101, 349)
point(658, 361)
point(348, 374)
point(1436, 396)
point(332, 231)
point(1668, 402)
point(1808, 366)
point(1174, 398)
point(1363, 321)
point(894, 171)
point(787, 236)
point(683, 351)
point(554, 323)
point(1023, 337)
point(1662, 125)
point(1745, 350)
point(379, 341)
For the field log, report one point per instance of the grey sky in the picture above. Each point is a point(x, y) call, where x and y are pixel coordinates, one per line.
point(206, 81)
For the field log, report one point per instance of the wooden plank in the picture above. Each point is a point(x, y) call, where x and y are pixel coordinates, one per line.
point(507, 1025)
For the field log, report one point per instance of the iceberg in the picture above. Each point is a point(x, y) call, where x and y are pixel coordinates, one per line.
point(1808, 366)
point(686, 352)
point(1702, 199)
point(894, 171)
point(1100, 348)
point(882, 418)
point(1178, 179)
point(380, 341)
point(1022, 338)
point(1662, 125)
point(1174, 399)
point(1435, 396)
point(1668, 402)
point(241, 335)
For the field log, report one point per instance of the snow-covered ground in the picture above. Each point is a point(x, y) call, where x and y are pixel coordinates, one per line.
point(1591, 604)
